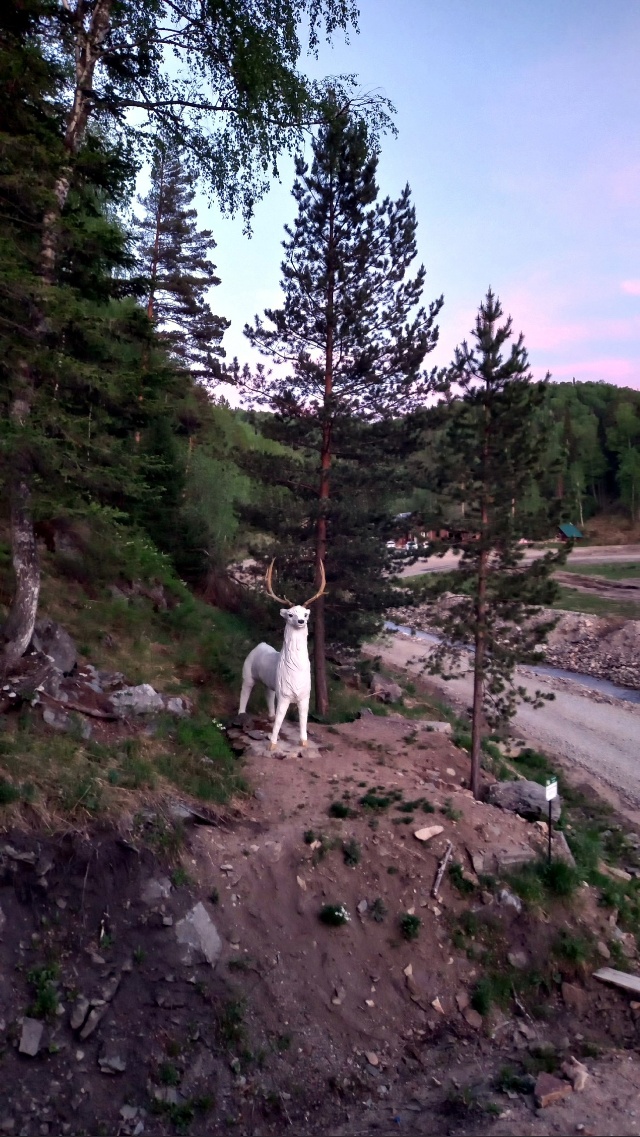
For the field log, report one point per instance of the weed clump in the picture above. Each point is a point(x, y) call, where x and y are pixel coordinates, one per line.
point(410, 926)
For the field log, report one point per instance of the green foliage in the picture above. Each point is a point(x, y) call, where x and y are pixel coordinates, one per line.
point(200, 760)
point(459, 881)
point(410, 926)
point(335, 915)
point(339, 809)
point(540, 882)
point(43, 983)
point(351, 852)
point(378, 910)
point(354, 338)
point(449, 811)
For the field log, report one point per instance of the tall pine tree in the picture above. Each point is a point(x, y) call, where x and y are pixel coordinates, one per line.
point(353, 339)
point(493, 452)
point(227, 91)
point(174, 256)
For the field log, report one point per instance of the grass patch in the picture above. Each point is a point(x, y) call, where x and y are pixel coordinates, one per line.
point(540, 882)
point(449, 812)
point(616, 570)
point(571, 600)
point(340, 809)
point(459, 880)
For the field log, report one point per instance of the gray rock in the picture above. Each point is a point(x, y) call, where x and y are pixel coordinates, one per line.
point(508, 899)
point(438, 727)
point(140, 700)
point(128, 1112)
point(59, 720)
point(177, 706)
point(31, 1037)
point(79, 1012)
point(560, 849)
point(518, 959)
point(52, 640)
point(3, 920)
point(385, 689)
point(155, 890)
point(112, 1058)
point(96, 1015)
point(524, 797)
point(198, 937)
point(364, 711)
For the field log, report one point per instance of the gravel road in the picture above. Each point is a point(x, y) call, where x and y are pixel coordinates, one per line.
point(590, 555)
point(602, 737)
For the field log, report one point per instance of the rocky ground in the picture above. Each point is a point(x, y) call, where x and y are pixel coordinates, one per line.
point(602, 646)
point(148, 986)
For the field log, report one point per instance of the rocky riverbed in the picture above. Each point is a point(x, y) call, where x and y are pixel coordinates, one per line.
point(601, 646)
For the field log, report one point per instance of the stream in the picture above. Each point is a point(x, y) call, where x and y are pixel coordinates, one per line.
point(604, 686)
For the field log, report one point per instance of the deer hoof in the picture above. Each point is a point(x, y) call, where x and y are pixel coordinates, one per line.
point(274, 746)
point(303, 742)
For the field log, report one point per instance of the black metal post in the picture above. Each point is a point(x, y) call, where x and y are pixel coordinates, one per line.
point(550, 804)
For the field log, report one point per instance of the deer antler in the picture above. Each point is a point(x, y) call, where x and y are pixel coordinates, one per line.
point(270, 591)
point(323, 582)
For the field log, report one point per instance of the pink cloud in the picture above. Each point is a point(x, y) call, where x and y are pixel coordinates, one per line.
point(631, 287)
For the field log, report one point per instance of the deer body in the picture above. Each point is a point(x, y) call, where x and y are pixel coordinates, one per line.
point(287, 673)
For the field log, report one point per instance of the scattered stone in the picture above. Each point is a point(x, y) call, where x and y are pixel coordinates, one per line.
point(177, 706)
point(575, 998)
point(31, 1037)
point(385, 689)
point(524, 797)
point(462, 1001)
point(198, 936)
point(52, 640)
point(129, 1112)
point(96, 1015)
point(576, 1073)
point(361, 908)
point(112, 1059)
point(79, 1012)
point(372, 1058)
point(438, 727)
point(339, 996)
point(613, 871)
point(139, 700)
point(155, 890)
point(477, 861)
point(560, 849)
point(408, 970)
point(550, 1089)
point(627, 942)
point(437, 1006)
point(303, 884)
point(428, 833)
point(518, 959)
point(508, 899)
point(57, 720)
point(472, 1017)
point(603, 950)
point(450, 772)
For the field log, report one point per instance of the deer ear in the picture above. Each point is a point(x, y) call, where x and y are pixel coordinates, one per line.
point(284, 612)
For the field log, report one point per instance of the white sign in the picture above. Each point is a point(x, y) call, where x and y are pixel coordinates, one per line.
point(551, 789)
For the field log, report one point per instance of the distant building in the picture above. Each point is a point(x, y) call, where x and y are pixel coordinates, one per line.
point(569, 532)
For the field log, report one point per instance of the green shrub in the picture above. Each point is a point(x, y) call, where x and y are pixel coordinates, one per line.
point(410, 926)
point(335, 915)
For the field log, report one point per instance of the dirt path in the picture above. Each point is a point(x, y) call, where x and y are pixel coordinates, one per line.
point(602, 737)
point(590, 555)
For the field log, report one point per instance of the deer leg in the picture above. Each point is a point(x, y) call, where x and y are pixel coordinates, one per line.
point(303, 711)
point(283, 707)
point(247, 687)
point(271, 703)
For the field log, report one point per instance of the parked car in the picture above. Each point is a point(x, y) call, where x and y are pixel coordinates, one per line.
point(391, 544)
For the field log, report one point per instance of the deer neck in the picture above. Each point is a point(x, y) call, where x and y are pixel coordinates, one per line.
point(295, 644)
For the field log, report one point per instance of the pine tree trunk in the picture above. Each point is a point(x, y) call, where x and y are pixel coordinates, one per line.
point(19, 625)
point(319, 648)
point(478, 674)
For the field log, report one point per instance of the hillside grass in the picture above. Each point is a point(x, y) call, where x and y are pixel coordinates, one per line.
point(572, 600)
point(616, 570)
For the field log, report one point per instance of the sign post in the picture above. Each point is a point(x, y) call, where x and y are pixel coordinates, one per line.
point(551, 791)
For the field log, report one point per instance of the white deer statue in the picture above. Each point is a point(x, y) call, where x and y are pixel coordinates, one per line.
point(286, 674)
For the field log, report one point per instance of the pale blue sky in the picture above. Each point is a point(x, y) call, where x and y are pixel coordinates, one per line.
point(519, 132)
